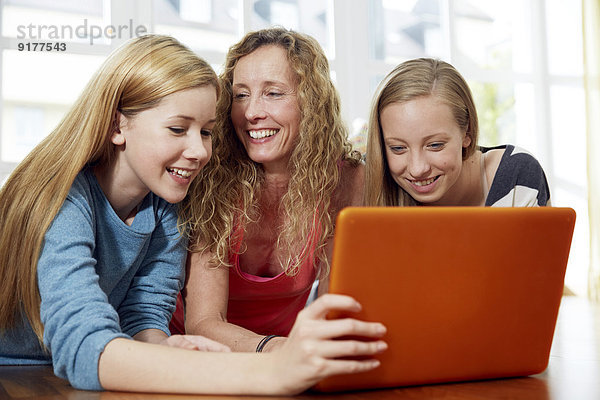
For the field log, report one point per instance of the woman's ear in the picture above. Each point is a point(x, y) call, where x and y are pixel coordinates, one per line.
point(466, 140)
point(117, 137)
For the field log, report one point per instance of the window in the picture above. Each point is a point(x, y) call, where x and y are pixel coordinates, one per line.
point(37, 89)
point(526, 78)
point(209, 27)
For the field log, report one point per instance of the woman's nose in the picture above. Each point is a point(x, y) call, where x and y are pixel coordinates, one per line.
point(255, 109)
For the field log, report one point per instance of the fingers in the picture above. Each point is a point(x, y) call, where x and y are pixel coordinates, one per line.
point(330, 339)
point(205, 344)
point(180, 342)
point(320, 307)
point(322, 329)
point(337, 339)
point(196, 342)
point(327, 329)
point(348, 348)
point(338, 367)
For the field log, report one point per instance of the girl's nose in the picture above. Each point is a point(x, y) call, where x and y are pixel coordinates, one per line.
point(199, 149)
point(419, 166)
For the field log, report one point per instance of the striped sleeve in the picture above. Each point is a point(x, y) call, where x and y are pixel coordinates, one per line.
point(519, 181)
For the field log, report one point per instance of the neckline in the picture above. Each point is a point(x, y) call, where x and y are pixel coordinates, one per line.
point(484, 182)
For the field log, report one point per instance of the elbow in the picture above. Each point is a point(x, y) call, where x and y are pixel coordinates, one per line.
point(204, 325)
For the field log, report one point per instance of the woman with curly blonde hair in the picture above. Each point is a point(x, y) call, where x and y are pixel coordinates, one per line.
point(281, 171)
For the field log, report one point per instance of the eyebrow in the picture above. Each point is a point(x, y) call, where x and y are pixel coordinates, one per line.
point(266, 83)
point(188, 118)
point(181, 116)
point(434, 135)
point(426, 138)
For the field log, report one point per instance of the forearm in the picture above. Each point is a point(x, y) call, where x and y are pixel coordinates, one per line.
point(316, 348)
point(236, 337)
point(128, 365)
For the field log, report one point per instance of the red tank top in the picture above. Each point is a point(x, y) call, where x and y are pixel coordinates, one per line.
point(267, 306)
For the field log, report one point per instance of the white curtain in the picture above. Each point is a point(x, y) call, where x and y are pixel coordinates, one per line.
point(591, 40)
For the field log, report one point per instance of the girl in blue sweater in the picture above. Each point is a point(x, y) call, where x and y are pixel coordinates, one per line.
point(92, 246)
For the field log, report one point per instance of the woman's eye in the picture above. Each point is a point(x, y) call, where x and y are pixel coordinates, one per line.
point(436, 146)
point(397, 149)
point(274, 94)
point(177, 130)
point(239, 96)
point(206, 132)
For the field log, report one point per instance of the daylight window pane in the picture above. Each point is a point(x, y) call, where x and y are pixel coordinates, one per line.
point(203, 25)
point(565, 47)
point(525, 120)
point(399, 30)
point(494, 34)
point(495, 110)
point(35, 98)
point(568, 133)
point(307, 16)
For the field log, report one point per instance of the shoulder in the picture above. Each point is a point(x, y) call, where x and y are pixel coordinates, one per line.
point(76, 219)
point(82, 188)
point(518, 171)
point(79, 203)
point(520, 163)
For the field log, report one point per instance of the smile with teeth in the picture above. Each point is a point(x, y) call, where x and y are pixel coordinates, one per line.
point(263, 133)
point(425, 182)
point(180, 172)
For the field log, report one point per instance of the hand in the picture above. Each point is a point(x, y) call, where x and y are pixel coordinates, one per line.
point(311, 352)
point(194, 342)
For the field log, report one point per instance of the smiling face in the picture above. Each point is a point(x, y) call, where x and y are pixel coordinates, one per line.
point(423, 147)
point(162, 149)
point(265, 111)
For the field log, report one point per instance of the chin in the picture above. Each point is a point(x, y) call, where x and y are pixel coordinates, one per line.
point(259, 157)
point(173, 198)
point(419, 198)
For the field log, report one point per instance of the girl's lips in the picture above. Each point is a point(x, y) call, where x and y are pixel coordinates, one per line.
point(184, 173)
point(423, 186)
point(181, 176)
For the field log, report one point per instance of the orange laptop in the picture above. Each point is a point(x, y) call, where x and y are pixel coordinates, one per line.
point(466, 293)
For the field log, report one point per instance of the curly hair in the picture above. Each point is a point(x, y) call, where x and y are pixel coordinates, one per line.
point(412, 79)
point(224, 197)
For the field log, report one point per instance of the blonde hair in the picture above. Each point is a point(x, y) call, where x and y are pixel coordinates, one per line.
point(134, 78)
point(410, 80)
point(233, 181)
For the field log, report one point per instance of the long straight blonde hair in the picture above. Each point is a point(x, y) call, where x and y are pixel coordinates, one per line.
point(134, 78)
point(410, 80)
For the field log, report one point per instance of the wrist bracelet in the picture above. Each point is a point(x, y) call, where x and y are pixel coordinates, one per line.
point(263, 342)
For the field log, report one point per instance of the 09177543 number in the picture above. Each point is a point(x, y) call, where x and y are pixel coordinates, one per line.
point(42, 46)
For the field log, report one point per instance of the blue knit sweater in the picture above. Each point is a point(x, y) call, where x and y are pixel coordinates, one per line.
point(99, 279)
